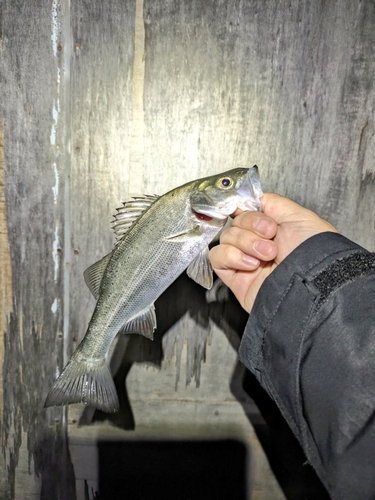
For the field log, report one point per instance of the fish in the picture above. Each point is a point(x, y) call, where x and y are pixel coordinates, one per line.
point(158, 238)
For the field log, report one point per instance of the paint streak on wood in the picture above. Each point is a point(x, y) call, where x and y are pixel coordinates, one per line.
point(5, 266)
point(137, 134)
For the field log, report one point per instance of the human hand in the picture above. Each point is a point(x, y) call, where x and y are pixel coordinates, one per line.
point(257, 242)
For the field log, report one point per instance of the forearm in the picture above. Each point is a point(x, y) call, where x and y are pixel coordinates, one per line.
point(310, 340)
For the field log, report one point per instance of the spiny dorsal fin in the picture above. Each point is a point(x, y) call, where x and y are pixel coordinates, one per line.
point(130, 212)
point(125, 217)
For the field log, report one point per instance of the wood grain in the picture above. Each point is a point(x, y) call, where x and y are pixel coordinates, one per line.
point(137, 124)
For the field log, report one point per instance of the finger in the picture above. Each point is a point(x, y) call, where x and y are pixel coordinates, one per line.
point(283, 209)
point(275, 207)
point(249, 243)
point(245, 284)
point(241, 283)
point(257, 222)
point(227, 257)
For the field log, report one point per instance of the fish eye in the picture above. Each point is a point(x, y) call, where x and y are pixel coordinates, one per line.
point(226, 182)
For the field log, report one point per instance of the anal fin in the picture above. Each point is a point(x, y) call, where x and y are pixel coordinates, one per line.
point(144, 323)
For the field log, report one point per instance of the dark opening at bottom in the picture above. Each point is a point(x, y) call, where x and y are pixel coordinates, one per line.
point(177, 470)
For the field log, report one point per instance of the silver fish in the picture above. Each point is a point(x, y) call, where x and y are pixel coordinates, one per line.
point(158, 238)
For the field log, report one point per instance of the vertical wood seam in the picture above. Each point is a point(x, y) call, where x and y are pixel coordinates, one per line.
point(67, 166)
point(67, 83)
point(5, 266)
point(137, 131)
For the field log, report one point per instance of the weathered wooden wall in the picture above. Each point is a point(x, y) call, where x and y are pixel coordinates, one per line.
point(33, 110)
point(99, 100)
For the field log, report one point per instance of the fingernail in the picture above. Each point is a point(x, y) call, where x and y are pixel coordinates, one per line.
point(251, 261)
point(261, 225)
point(263, 247)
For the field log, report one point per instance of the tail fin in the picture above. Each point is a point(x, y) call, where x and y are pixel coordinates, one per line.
point(87, 382)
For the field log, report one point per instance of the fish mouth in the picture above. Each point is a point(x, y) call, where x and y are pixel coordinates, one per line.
point(208, 213)
point(201, 216)
point(204, 208)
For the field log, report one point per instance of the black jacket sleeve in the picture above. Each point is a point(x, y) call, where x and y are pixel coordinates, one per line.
point(310, 341)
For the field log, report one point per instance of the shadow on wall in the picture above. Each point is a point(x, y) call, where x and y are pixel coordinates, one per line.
point(183, 297)
point(287, 460)
point(181, 470)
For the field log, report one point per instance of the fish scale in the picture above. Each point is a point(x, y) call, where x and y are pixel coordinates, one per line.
point(171, 234)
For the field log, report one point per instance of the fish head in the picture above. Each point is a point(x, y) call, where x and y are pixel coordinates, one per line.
point(219, 196)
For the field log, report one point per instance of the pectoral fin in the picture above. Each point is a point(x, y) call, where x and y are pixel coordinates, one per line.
point(200, 270)
point(94, 274)
point(144, 323)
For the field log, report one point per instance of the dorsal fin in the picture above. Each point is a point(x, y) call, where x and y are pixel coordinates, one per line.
point(130, 212)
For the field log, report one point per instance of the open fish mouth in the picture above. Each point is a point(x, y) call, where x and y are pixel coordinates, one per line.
point(205, 208)
point(208, 213)
point(201, 216)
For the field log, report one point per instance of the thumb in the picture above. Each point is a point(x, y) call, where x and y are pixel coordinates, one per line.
point(282, 209)
point(279, 208)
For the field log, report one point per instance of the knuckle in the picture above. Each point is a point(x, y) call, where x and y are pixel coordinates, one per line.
point(228, 235)
point(243, 239)
point(228, 252)
point(246, 219)
point(236, 237)
point(223, 256)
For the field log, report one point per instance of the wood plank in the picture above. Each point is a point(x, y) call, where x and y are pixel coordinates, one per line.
point(6, 295)
point(103, 40)
point(32, 105)
point(285, 85)
point(5, 264)
point(137, 124)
